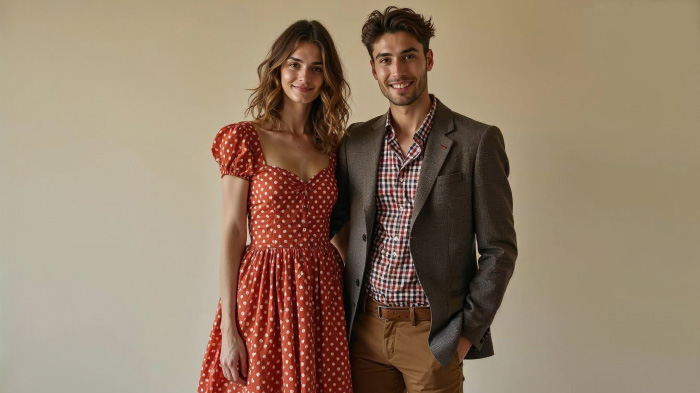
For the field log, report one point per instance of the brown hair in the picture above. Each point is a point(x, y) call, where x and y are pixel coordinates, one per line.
point(393, 20)
point(330, 111)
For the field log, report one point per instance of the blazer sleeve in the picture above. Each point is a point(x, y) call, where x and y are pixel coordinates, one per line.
point(495, 236)
point(341, 211)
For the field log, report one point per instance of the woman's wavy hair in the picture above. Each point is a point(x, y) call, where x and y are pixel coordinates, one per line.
point(330, 111)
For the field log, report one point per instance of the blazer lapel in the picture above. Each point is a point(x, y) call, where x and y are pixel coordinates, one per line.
point(436, 149)
point(366, 159)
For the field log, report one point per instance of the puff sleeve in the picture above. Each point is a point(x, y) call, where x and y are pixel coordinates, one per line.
point(233, 151)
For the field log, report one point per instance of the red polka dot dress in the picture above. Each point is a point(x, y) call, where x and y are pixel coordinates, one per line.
point(289, 299)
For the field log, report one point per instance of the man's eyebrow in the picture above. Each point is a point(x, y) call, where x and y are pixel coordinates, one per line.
point(387, 54)
point(301, 61)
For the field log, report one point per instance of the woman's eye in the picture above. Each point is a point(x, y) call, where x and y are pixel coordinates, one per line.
point(294, 65)
point(318, 69)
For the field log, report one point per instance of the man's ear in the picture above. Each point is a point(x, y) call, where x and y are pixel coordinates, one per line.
point(429, 59)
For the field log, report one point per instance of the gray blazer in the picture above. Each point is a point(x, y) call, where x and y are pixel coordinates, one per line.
point(463, 200)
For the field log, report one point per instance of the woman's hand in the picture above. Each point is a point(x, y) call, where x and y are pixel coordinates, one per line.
point(233, 359)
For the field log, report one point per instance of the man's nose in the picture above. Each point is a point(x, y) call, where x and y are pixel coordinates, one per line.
point(398, 69)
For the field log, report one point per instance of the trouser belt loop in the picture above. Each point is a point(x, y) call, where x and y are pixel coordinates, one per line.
point(412, 315)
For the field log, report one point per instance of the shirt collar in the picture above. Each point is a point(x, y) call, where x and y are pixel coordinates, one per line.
point(424, 128)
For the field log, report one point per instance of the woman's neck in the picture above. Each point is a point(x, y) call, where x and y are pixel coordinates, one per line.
point(295, 116)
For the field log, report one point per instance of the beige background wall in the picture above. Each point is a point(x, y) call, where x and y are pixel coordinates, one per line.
point(109, 228)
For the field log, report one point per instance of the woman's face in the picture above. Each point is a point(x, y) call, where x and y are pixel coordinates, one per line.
point(302, 74)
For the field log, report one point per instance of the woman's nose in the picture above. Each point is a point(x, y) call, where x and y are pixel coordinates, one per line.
point(303, 74)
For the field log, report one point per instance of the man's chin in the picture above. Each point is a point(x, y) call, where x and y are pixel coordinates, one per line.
point(402, 101)
point(399, 100)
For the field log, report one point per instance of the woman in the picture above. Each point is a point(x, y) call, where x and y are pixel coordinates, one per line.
point(280, 325)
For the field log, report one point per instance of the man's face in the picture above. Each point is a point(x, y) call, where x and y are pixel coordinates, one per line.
point(400, 67)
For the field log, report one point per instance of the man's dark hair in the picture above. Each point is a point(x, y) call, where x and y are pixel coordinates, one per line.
point(393, 20)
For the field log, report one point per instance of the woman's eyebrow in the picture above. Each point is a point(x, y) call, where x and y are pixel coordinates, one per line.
point(301, 61)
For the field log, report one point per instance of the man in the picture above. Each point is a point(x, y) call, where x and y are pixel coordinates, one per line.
point(419, 186)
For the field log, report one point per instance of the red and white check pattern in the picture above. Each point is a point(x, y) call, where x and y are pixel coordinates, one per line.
point(391, 278)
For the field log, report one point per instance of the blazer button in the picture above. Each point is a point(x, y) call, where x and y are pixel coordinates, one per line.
point(364, 238)
point(357, 283)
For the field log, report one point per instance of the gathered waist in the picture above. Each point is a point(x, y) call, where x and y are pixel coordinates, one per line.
point(295, 247)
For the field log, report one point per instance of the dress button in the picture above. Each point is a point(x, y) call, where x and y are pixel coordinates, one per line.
point(364, 238)
point(357, 282)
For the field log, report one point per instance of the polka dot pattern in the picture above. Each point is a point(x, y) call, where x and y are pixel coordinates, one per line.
point(289, 298)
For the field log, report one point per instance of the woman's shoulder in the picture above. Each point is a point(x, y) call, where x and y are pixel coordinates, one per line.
point(240, 128)
point(235, 150)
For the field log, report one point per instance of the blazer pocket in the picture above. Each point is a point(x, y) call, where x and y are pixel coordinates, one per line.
point(450, 178)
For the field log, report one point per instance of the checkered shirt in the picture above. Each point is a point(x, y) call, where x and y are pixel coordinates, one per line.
point(391, 278)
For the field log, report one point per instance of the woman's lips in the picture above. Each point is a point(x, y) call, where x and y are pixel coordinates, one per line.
point(303, 89)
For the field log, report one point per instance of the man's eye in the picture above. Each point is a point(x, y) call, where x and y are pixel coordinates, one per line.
point(409, 57)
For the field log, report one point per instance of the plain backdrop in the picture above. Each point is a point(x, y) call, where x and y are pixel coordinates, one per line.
point(111, 201)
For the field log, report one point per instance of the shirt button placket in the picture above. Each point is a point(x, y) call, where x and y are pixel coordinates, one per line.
point(304, 215)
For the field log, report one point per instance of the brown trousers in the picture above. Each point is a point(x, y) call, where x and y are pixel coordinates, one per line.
point(393, 357)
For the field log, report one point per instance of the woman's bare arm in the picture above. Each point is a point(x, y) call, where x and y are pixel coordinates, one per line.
point(340, 241)
point(233, 353)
